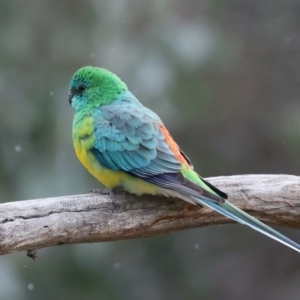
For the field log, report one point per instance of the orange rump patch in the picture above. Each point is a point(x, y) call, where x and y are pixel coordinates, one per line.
point(174, 147)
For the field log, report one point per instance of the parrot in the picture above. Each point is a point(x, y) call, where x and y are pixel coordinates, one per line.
point(126, 146)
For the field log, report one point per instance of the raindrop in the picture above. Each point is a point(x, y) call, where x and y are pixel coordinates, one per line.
point(117, 265)
point(30, 286)
point(288, 40)
point(18, 148)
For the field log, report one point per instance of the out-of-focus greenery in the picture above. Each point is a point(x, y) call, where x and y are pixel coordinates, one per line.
point(223, 75)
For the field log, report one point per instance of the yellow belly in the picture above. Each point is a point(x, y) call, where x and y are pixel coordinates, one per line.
point(108, 177)
point(84, 141)
point(111, 178)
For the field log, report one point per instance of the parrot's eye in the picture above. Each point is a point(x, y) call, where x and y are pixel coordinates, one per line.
point(81, 88)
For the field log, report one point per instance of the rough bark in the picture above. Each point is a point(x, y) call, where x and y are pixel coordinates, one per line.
point(34, 224)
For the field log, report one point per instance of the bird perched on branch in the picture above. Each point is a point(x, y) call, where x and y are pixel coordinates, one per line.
point(126, 145)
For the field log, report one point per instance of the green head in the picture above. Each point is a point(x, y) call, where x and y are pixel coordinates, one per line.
point(92, 87)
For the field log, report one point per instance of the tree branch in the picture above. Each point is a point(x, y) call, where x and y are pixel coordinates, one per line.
point(35, 224)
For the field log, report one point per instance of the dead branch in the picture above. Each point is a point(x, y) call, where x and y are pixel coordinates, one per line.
point(34, 224)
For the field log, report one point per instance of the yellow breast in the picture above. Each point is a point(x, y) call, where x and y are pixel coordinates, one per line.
point(84, 140)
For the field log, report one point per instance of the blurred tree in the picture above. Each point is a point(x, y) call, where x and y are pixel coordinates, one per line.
point(223, 75)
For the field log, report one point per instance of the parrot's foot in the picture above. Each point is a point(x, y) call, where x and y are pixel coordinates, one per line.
point(113, 192)
point(32, 254)
point(100, 191)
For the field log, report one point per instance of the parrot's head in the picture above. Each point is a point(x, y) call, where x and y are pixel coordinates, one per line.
point(92, 87)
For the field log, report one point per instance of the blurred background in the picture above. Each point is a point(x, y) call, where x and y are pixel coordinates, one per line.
point(223, 75)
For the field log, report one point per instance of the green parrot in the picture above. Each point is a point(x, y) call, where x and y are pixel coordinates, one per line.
point(126, 145)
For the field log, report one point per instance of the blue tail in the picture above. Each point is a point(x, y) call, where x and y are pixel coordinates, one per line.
point(229, 210)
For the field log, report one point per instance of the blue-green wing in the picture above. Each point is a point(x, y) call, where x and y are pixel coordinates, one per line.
point(128, 138)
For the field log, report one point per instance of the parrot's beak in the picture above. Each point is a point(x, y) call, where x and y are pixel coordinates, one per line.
point(70, 96)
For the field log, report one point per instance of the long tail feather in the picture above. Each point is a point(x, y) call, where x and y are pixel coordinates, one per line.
point(229, 210)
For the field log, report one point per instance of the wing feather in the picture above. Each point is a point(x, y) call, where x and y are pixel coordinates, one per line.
point(128, 138)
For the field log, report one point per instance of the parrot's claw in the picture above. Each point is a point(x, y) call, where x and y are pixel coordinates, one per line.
point(32, 254)
point(100, 191)
point(113, 192)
